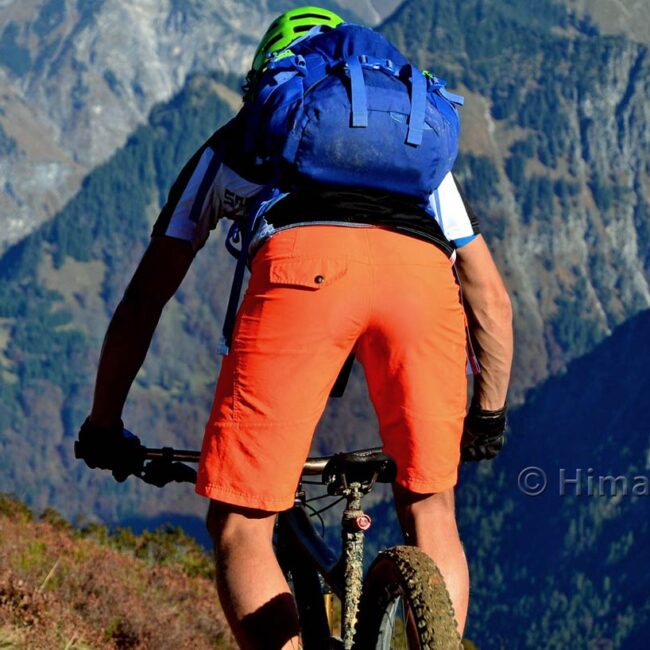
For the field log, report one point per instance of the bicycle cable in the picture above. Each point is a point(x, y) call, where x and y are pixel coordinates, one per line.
point(318, 498)
point(316, 513)
point(331, 505)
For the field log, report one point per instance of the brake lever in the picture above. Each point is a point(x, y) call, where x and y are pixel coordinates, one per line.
point(161, 471)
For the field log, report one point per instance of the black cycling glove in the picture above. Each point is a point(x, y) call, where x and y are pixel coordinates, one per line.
point(483, 434)
point(112, 448)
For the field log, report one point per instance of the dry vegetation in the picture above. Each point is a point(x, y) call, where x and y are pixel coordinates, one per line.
point(74, 589)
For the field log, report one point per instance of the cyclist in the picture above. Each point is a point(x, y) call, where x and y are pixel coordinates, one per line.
point(336, 271)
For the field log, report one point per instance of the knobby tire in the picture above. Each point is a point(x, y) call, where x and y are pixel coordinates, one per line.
point(406, 575)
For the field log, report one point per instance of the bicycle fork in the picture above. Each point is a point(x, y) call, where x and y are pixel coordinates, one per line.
point(355, 523)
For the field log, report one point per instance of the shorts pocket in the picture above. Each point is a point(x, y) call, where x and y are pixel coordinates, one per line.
point(312, 273)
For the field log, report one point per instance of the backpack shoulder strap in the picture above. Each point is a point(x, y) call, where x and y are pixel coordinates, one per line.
point(267, 197)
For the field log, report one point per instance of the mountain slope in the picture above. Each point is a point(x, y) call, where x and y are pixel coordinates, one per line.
point(82, 589)
point(59, 287)
point(555, 122)
point(77, 77)
point(565, 568)
point(629, 17)
point(574, 269)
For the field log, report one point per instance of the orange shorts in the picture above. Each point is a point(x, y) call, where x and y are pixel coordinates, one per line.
point(315, 294)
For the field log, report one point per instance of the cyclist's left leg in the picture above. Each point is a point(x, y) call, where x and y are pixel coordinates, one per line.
point(414, 352)
point(300, 317)
point(253, 592)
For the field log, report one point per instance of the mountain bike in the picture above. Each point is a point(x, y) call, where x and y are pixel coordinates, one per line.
point(401, 604)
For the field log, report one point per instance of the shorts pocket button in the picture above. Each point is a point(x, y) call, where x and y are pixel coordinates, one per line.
point(319, 279)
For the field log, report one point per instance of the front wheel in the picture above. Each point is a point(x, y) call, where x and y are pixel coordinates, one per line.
point(405, 604)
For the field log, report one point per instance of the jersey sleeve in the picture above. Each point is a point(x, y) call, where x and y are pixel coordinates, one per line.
point(215, 183)
point(454, 215)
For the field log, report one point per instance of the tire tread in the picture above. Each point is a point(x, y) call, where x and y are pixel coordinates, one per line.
point(408, 571)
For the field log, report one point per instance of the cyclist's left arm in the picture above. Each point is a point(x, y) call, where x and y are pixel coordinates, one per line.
point(486, 300)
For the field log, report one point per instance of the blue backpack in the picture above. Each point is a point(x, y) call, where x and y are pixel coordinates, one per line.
point(344, 107)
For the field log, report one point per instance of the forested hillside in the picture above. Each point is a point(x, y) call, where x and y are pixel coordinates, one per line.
point(569, 564)
point(556, 528)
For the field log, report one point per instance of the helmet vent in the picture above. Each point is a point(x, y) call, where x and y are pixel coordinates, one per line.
point(302, 28)
point(303, 16)
point(274, 40)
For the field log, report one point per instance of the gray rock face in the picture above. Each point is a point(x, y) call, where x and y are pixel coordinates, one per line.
point(555, 144)
point(84, 75)
point(586, 268)
point(76, 77)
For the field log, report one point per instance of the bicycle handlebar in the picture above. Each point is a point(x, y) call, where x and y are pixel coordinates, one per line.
point(173, 455)
point(166, 465)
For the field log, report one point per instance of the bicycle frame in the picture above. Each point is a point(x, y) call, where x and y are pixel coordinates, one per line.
point(303, 554)
point(304, 557)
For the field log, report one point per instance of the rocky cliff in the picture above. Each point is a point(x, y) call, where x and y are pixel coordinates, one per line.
point(77, 76)
point(556, 142)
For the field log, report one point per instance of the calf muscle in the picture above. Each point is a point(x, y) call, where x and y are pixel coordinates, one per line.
point(252, 589)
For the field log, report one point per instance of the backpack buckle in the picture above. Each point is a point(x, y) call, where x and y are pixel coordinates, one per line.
point(232, 238)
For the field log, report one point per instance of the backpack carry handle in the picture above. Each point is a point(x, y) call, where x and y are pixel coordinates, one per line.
point(359, 99)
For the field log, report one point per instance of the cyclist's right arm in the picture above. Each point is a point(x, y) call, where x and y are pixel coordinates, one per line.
point(490, 313)
point(485, 297)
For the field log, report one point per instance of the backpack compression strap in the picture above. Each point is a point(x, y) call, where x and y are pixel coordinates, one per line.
point(358, 93)
point(418, 107)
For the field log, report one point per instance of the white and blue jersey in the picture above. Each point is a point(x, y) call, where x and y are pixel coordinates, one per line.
point(220, 180)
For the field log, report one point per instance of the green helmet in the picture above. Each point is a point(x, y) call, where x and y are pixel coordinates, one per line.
point(285, 29)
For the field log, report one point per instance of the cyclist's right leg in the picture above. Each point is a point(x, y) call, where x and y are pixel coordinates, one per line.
point(414, 353)
point(429, 522)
